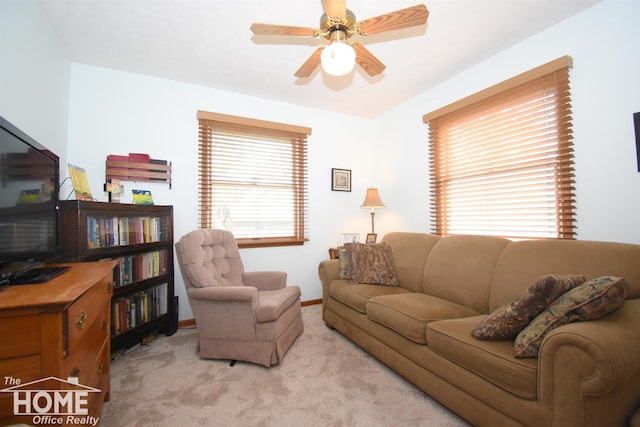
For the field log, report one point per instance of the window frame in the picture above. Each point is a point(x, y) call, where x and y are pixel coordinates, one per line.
point(209, 122)
point(492, 97)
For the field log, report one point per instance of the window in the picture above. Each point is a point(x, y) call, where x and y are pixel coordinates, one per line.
point(501, 160)
point(253, 179)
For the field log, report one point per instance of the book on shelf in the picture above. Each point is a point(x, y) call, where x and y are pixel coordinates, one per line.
point(137, 267)
point(105, 232)
point(138, 308)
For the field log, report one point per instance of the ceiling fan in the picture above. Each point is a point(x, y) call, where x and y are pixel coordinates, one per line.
point(337, 25)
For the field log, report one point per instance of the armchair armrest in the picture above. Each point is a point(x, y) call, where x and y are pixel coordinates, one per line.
point(224, 312)
point(265, 280)
point(224, 293)
point(585, 367)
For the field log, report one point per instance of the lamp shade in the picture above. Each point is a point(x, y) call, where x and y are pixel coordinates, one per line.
point(339, 57)
point(372, 200)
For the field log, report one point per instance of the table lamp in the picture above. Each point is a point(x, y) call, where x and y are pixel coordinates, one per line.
point(372, 200)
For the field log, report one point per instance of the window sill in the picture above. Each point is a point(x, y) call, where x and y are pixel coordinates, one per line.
point(269, 242)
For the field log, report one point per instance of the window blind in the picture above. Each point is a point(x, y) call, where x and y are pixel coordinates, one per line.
point(253, 179)
point(501, 161)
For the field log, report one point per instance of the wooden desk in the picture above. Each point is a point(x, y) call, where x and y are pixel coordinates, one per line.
point(57, 329)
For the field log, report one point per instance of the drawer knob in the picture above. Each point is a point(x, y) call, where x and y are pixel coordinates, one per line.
point(104, 325)
point(100, 368)
point(81, 319)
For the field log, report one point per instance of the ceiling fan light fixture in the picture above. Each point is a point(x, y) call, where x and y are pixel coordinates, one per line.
point(339, 57)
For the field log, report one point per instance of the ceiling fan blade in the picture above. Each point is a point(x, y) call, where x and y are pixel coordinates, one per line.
point(283, 30)
point(367, 61)
point(336, 9)
point(310, 64)
point(409, 17)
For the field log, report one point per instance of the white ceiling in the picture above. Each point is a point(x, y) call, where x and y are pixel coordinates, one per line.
point(208, 43)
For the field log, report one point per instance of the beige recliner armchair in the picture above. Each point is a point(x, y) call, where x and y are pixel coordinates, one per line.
point(253, 317)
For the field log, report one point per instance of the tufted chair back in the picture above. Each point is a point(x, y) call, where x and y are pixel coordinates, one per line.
point(210, 257)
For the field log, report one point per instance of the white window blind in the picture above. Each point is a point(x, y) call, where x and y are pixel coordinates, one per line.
point(253, 179)
point(502, 160)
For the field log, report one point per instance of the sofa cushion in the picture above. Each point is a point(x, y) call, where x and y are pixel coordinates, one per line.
point(491, 360)
point(460, 269)
point(356, 295)
point(409, 313)
point(507, 321)
point(369, 264)
point(589, 301)
point(410, 252)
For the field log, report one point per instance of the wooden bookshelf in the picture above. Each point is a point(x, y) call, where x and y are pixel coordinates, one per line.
point(140, 239)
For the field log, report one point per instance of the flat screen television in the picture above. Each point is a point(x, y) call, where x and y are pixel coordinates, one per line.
point(29, 219)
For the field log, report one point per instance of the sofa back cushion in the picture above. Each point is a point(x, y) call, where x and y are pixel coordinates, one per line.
point(410, 252)
point(521, 263)
point(460, 269)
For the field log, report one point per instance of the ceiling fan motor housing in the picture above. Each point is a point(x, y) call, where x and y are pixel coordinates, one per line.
point(345, 25)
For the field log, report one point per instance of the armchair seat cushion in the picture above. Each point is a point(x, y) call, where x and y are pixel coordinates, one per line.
point(271, 304)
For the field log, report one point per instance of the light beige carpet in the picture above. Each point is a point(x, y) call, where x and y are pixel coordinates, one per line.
point(324, 380)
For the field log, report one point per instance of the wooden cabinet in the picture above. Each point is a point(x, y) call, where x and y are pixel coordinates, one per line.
point(52, 332)
point(140, 239)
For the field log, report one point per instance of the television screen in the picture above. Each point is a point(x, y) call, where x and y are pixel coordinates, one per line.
point(29, 234)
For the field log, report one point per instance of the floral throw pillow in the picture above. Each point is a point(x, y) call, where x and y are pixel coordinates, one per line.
point(343, 266)
point(589, 301)
point(506, 322)
point(370, 264)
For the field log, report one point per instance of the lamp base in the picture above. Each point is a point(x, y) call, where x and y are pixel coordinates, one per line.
point(372, 228)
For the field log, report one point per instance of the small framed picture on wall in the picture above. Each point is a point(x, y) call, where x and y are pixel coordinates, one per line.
point(340, 179)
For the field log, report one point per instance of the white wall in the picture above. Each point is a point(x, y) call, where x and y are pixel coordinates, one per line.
point(114, 112)
point(605, 86)
point(34, 75)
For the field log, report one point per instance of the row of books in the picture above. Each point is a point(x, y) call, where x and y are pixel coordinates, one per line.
point(105, 232)
point(134, 268)
point(136, 309)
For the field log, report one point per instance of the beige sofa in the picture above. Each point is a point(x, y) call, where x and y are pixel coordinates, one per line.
point(587, 373)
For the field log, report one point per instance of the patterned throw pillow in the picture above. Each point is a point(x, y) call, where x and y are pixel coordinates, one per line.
point(588, 301)
point(507, 321)
point(370, 264)
point(343, 266)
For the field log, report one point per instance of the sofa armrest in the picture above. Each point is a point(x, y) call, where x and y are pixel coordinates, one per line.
point(328, 272)
point(265, 280)
point(584, 368)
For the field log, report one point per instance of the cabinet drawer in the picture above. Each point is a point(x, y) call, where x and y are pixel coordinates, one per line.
point(100, 378)
point(88, 311)
point(20, 334)
point(83, 355)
